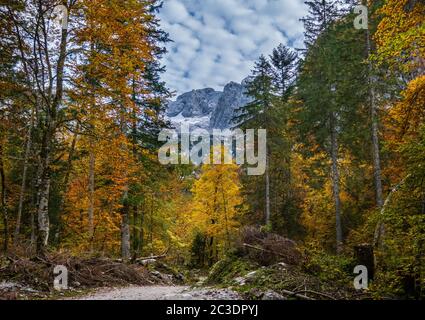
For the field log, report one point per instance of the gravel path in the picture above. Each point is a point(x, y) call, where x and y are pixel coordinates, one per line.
point(162, 293)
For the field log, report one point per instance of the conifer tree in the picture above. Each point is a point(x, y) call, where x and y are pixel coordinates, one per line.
point(321, 14)
point(332, 87)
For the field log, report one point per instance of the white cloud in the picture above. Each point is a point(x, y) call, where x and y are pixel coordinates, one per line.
point(217, 41)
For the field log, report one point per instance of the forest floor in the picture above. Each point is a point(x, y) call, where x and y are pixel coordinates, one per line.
point(264, 267)
point(161, 293)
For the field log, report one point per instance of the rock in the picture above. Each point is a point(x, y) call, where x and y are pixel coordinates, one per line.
point(271, 295)
point(196, 103)
point(208, 109)
point(201, 281)
point(233, 98)
point(251, 275)
point(240, 281)
point(163, 277)
point(146, 262)
point(245, 279)
point(9, 285)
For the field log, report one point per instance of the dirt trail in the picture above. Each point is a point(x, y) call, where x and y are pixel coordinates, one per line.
point(162, 293)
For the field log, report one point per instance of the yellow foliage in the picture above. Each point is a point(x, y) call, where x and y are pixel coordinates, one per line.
point(217, 202)
point(400, 36)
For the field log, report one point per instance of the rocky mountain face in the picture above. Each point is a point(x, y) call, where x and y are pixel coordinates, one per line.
point(207, 108)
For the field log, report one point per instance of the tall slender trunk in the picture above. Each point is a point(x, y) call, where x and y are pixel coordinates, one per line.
point(91, 193)
point(33, 230)
point(380, 228)
point(151, 226)
point(43, 187)
point(141, 232)
point(3, 201)
point(46, 149)
point(125, 228)
point(267, 199)
point(135, 242)
point(24, 180)
point(375, 131)
point(336, 182)
point(226, 218)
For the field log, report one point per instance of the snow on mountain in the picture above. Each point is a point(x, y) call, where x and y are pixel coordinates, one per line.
point(207, 108)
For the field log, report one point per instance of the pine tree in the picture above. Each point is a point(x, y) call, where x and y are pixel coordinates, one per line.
point(269, 87)
point(260, 89)
point(332, 88)
point(321, 14)
point(283, 62)
point(256, 114)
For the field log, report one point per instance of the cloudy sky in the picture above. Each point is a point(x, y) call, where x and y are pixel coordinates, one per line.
point(217, 41)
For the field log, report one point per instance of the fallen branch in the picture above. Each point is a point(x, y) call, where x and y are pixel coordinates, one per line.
point(151, 258)
point(262, 249)
point(317, 293)
point(294, 294)
point(380, 228)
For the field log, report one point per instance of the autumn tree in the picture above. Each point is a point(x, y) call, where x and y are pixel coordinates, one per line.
point(217, 204)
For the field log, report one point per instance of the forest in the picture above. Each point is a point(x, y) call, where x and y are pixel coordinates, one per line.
point(82, 103)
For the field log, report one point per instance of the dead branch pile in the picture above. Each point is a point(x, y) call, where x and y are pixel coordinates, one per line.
point(268, 248)
point(37, 272)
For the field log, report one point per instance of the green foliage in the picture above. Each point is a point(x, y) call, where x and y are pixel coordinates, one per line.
point(198, 254)
point(403, 252)
point(226, 270)
point(333, 79)
point(329, 267)
point(270, 86)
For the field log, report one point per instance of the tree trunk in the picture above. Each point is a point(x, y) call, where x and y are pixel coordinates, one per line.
point(46, 149)
point(141, 231)
point(43, 190)
point(136, 240)
point(335, 182)
point(226, 219)
point(375, 131)
point(43, 217)
point(43, 206)
point(91, 194)
point(3, 201)
point(125, 229)
point(33, 231)
point(24, 180)
point(268, 215)
point(379, 231)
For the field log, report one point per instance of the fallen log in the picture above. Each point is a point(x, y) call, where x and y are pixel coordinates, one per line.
point(318, 293)
point(297, 295)
point(141, 260)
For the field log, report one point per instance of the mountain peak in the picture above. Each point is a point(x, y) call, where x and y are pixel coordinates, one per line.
point(207, 108)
